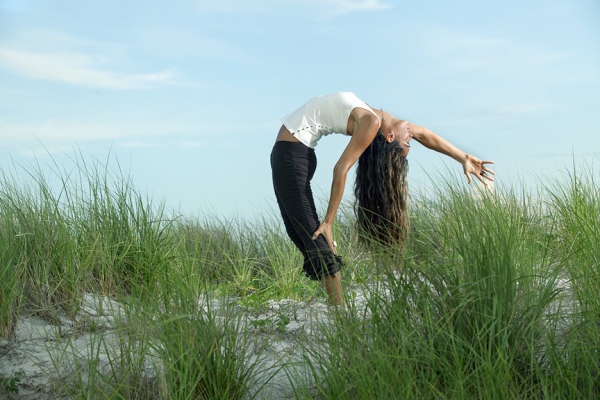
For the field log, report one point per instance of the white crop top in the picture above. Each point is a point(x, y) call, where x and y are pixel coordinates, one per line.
point(322, 116)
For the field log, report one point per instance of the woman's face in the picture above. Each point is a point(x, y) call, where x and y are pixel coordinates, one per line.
point(400, 133)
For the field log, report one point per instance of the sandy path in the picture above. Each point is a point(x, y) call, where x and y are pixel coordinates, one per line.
point(42, 352)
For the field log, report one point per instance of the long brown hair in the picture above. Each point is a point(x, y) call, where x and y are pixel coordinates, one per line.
point(381, 192)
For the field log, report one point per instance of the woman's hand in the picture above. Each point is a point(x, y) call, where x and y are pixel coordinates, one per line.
point(475, 166)
point(326, 230)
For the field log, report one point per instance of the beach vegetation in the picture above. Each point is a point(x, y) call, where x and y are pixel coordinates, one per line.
point(494, 295)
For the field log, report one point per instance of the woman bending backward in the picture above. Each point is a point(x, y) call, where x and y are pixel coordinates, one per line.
point(380, 143)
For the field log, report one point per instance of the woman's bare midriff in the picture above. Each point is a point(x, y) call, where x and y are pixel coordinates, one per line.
point(285, 136)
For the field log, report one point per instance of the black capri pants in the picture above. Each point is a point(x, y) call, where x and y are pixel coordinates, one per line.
point(293, 165)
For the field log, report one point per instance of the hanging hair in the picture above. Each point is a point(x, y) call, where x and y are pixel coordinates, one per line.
point(381, 192)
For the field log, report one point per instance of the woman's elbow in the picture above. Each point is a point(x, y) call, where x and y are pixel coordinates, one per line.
point(340, 170)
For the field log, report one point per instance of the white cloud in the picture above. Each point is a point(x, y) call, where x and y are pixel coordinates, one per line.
point(346, 6)
point(175, 42)
point(53, 136)
point(332, 7)
point(187, 144)
point(52, 131)
point(137, 144)
point(495, 109)
point(75, 68)
point(526, 108)
point(182, 144)
point(44, 152)
point(465, 52)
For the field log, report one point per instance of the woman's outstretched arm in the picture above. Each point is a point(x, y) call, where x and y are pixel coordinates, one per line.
point(471, 164)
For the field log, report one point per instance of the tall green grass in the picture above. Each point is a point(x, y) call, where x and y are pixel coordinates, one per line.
point(494, 296)
point(177, 345)
point(10, 286)
point(576, 206)
point(481, 306)
point(37, 246)
point(88, 229)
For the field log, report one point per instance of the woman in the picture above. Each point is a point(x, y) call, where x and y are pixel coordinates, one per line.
point(381, 143)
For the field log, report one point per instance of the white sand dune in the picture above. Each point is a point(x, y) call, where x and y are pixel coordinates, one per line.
point(43, 356)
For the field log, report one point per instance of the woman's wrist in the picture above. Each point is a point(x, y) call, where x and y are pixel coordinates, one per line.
point(328, 220)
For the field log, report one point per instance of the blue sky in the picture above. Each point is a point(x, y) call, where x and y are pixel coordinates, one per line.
point(188, 95)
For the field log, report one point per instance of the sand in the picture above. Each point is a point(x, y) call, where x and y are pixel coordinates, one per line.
point(44, 355)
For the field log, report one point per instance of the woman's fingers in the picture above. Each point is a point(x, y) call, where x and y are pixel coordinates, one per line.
point(487, 169)
point(317, 233)
point(478, 168)
point(325, 230)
